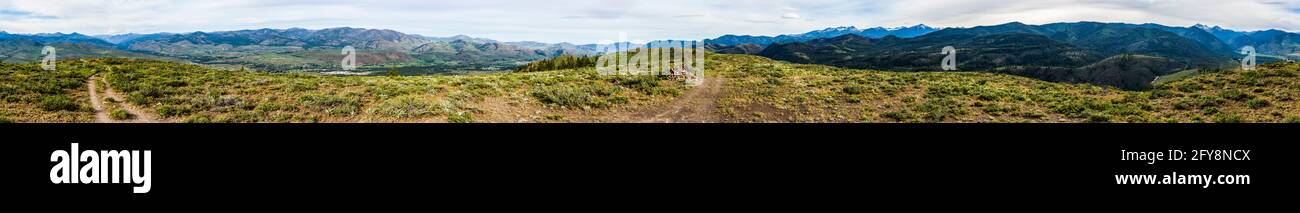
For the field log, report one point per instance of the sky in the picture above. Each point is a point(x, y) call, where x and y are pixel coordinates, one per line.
point(590, 21)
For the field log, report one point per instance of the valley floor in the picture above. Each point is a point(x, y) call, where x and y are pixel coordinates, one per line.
point(738, 88)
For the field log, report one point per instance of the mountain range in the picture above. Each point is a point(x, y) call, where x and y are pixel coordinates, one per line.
point(294, 48)
point(1128, 56)
point(1063, 52)
point(763, 41)
point(27, 48)
point(287, 49)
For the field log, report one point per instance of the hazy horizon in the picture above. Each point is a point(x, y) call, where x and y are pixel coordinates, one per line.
point(591, 21)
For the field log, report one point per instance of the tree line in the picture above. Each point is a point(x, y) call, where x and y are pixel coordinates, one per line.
point(559, 63)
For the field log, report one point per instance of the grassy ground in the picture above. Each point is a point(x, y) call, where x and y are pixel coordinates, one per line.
point(755, 90)
point(763, 90)
point(189, 93)
point(29, 94)
point(1176, 76)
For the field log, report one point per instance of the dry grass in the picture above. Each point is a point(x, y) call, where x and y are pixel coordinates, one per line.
point(756, 90)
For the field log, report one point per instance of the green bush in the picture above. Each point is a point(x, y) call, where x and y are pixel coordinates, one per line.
point(6, 90)
point(1236, 95)
point(1257, 103)
point(5, 120)
point(173, 111)
point(1226, 118)
point(1072, 109)
point(853, 99)
point(646, 84)
point(566, 96)
point(603, 90)
point(1190, 87)
point(388, 90)
point(120, 114)
point(462, 117)
point(137, 99)
point(302, 86)
point(570, 97)
point(332, 105)
point(409, 106)
point(198, 119)
point(774, 82)
point(1183, 105)
point(1207, 102)
point(481, 88)
point(271, 106)
point(618, 100)
point(938, 110)
point(669, 91)
point(1099, 118)
point(995, 109)
point(896, 115)
point(1210, 111)
point(853, 90)
point(58, 103)
point(240, 117)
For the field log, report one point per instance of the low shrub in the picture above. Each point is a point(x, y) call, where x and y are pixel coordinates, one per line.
point(409, 106)
point(1257, 103)
point(174, 111)
point(1236, 95)
point(58, 103)
point(853, 90)
point(332, 105)
point(120, 114)
point(571, 97)
point(461, 117)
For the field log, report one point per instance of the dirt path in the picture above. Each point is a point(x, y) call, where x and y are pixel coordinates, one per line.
point(102, 113)
point(101, 116)
point(696, 106)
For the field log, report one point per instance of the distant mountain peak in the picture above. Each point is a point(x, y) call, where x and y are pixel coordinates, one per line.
point(918, 26)
point(839, 29)
point(1014, 23)
point(1271, 31)
point(462, 37)
point(342, 28)
point(832, 32)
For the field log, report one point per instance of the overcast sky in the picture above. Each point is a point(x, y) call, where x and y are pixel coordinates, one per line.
point(588, 21)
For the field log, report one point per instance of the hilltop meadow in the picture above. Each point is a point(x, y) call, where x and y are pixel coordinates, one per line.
point(738, 88)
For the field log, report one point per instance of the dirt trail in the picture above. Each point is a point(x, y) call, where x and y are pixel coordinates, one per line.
point(102, 113)
point(696, 106)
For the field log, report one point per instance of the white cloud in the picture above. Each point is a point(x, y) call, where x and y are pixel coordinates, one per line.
point(583, 21)
point(790, 16)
